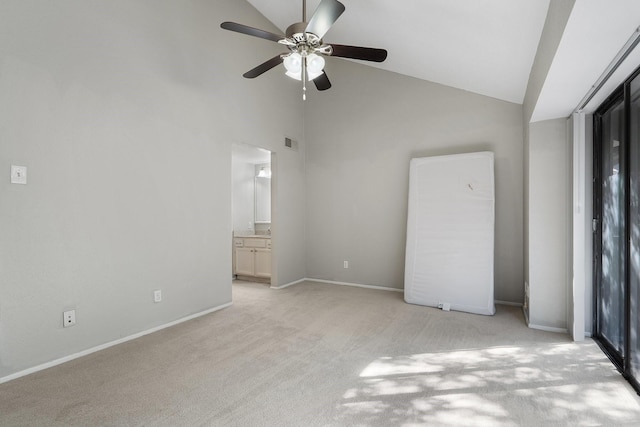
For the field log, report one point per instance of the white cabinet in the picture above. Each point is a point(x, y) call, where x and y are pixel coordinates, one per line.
point(262, 262)
point(252, 257)
point(245, 262)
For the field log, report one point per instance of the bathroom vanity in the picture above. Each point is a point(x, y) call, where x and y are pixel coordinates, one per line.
point(252, 258)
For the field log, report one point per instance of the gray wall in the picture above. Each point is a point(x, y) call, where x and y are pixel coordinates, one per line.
point(360, 137)
point(125, 112)
point(535, 265)
point(549, 225)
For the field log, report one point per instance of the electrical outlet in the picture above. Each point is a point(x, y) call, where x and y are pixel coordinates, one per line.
point(157, 296)
point(18, 174)
point(346, 264)
point(68, 318)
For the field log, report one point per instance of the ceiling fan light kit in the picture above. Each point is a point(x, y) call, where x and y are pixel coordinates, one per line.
point(305, 59)
point(293, 63)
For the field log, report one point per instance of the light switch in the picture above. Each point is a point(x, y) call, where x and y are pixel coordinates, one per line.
point(18, 174)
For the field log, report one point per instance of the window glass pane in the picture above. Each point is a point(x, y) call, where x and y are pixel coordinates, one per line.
point(611, 310)
point(634, 226)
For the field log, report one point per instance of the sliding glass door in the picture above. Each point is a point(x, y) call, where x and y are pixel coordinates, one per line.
point(617, 228)
point(610, 214)
point(634, 227)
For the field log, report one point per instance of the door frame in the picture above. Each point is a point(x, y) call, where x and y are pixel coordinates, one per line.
point(273, 164)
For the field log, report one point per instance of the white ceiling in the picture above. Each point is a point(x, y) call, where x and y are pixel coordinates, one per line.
point(482, 46)
point(595, 33)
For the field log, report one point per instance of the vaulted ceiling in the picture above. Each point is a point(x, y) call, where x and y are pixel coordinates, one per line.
point(483, 46)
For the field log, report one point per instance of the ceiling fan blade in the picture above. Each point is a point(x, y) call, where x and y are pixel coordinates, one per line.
point(322, 82)
point(359, 52)
point(263, 68)
point(326, 14)
point(244, 29)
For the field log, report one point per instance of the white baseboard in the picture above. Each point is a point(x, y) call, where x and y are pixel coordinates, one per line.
point(286, 285)
point(512, 304)
point(88, 351)
point(333, 282)
point(542, 328)
point(357, 285)
point(548, 328)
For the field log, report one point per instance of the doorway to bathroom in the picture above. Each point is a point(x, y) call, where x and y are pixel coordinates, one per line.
point(251, 195)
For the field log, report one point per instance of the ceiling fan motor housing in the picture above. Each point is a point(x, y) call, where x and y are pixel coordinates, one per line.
point(296, 32)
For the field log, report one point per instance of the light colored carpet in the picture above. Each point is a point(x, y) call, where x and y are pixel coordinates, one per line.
point(324, 355)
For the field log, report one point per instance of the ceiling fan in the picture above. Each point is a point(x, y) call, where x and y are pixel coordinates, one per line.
point(305, 59)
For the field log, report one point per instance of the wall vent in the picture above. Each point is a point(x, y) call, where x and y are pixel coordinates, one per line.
point(291, 144)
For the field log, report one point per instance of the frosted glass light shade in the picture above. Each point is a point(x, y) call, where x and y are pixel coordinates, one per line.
point(297, 76)
point(313, 75)
point(293, 62)
point(315, 65)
